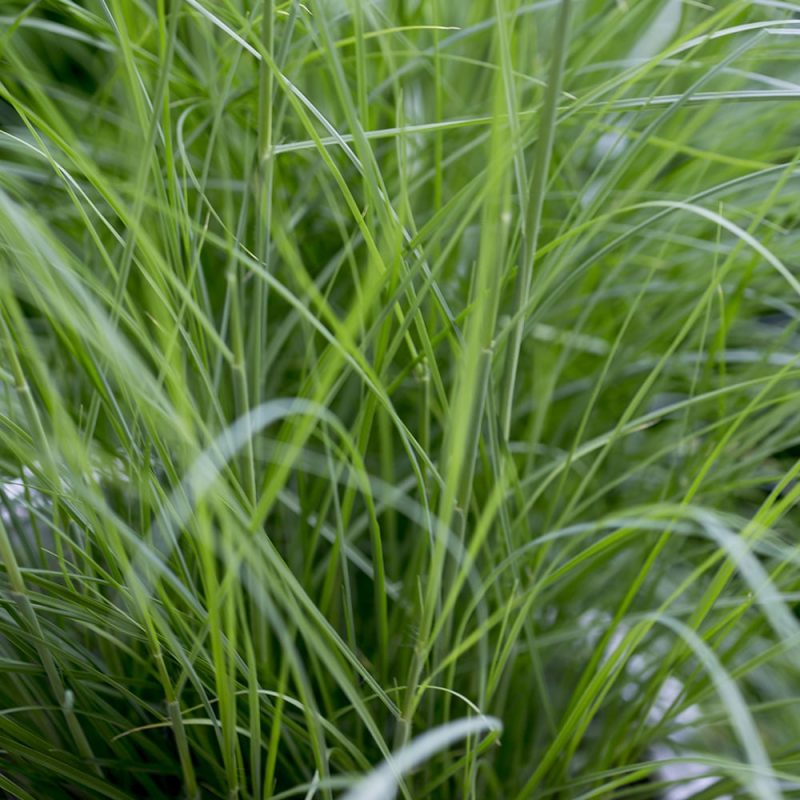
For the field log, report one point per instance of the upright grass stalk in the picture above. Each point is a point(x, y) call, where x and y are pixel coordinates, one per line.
point(534, 204)
point(467, 403)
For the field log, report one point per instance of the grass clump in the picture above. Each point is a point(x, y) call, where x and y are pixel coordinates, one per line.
point(399, 398)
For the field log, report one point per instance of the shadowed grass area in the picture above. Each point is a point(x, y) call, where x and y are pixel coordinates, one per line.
point(399, 398)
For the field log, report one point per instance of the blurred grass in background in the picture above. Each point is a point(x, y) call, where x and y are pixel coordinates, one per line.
point(367, 367)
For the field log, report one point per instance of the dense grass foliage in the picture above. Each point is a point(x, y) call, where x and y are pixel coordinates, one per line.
point(394, 377)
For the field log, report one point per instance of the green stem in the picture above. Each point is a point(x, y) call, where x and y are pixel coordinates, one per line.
point(541, 168)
